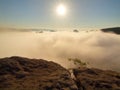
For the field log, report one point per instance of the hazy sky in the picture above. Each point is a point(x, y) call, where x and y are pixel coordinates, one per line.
point(41, 13)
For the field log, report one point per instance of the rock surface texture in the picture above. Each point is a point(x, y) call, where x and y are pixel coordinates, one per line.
point(17, 73)
point(96, 79)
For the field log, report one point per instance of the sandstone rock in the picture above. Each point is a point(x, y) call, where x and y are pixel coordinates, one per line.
point(17, 73)
point(96, 79)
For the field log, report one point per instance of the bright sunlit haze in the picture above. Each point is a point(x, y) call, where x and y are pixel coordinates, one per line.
point(61, 10)
point(59, 13)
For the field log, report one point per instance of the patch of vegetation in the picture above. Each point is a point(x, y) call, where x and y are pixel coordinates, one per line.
point(78, 62)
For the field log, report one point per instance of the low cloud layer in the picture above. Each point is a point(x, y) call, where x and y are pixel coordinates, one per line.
point(100, 49)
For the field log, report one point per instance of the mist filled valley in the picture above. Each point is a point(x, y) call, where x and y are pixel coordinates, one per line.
point(59, 44)
point(99, 49)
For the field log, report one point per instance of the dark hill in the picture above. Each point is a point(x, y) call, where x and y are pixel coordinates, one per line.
point(115, 30)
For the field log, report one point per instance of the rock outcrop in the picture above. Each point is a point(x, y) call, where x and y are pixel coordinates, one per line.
point(17, 73)
point(96, 79)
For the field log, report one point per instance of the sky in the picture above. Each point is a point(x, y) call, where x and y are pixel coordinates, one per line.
point(42, 14)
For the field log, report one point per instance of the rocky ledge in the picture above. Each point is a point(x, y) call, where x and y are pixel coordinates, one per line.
point(96, 79)
point(18, 73)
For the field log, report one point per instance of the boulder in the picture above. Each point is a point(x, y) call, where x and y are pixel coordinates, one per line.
point(18, 73)
point(96, 79)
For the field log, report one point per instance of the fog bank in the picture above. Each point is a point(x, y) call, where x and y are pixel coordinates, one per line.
point(100, 49)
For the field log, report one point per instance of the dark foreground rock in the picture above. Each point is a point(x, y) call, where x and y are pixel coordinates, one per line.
point(17, 73)
point(115, 30)
point(96, 79)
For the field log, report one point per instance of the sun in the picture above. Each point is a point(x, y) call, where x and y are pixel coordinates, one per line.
point(61, 10)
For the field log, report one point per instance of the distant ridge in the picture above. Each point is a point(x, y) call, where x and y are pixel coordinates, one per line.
point(115, 30)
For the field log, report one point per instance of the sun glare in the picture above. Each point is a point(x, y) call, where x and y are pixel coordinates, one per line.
point(61, 10)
